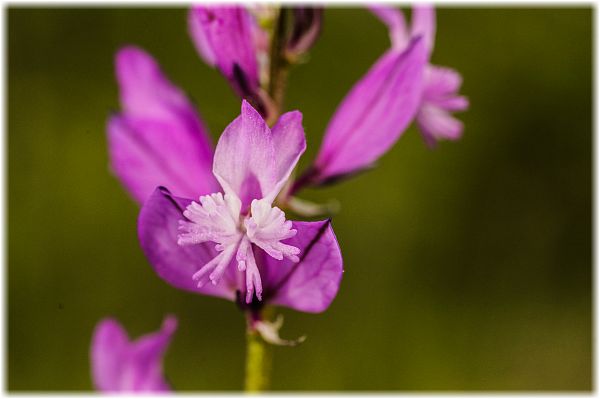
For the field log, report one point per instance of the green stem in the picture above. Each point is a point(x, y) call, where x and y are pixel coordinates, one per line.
point(258, 363)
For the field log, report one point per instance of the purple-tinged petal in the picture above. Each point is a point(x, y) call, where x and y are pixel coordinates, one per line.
point(438, 124)
point(109, 348)
point(311, 284)
point(158, 225)
point(457, 103)
point(423, 24)
point(252, 162)
point(145, 92)
point(374, 114)
point(244, 156)
point(290, 143)
point(148, 352)
point(200, 36)
point(440, 82)
point(305, 29)
point(224, 38)
point(147, 153)
point(439, 99)
point(394, 19)
point(441, 89)
point(158, 139)
point(119, 365)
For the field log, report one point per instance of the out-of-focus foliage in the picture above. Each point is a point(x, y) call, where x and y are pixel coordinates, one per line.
point(467, 267)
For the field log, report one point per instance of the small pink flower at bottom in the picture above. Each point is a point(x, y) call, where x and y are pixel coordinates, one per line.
point(121, 365)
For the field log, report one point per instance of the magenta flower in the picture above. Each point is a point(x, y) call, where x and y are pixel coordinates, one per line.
point(121, 365)
point(399, 88)
point(440, 93)
point(157, 125)
point(236, 239)
point(229, 39)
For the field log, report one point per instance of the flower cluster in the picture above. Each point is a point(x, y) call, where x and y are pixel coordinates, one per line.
point(212, 219)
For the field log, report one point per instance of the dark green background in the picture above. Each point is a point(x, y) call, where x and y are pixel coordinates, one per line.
point(467, 267)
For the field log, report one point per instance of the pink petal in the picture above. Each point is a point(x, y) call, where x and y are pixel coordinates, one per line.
point(109, 349)
point(394, 19)
point(436, 124)
point(145, 91)
point(423, 24)
point(119, 365)
point(311, 284)
point(253, 163)
point(224, 38)
point(148, 352)
point(158, 230)
point(200, 37)
point(158, 139)
point(306, 28)
point(456, 103)
point(441, 82)
point(440, 97)
point(289, 143)
point(374, 114)
point(148, 153)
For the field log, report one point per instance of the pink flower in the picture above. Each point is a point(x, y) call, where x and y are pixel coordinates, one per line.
point(440, 93)
point(400, 87)
point(374, 114)
point(121, 365)
point(235, 238)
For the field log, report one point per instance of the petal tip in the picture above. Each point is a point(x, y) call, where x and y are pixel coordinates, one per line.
point(128, 56)
point(249, 111)
point(169, 324)
point(294, 115)
point(107, 325)
point(129, 50)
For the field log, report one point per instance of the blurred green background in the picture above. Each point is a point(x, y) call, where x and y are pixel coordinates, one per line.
point(467, 267)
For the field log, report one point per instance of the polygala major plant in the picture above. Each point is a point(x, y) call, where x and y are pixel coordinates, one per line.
point(212, 219)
